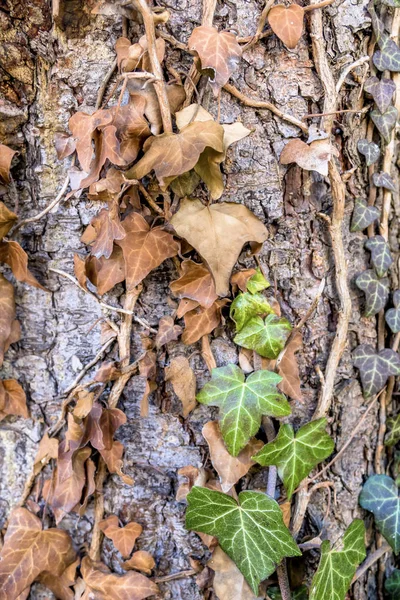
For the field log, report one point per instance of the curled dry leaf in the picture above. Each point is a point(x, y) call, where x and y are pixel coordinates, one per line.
point(218, 233)
point(107, 227)
point(201, 321)
point(287, 23)
point(123, 538)
point(107, 147)
point(105, 273)
point(68, 492)
point(7, 219)
point(229, 583)
point(141, 561)
point(183, 380)
point(15, 257)
point(60, 585)
point(132, 128)
point(64, 144)
point(12, 399)
point(185, 306)
point(83, 127)
point(167, 331)
point(195, 283)
point(48, 449)
point(288, 368)
point(313, 157)
point(6, 156)
point(176, 95)
point(240, 278)
point(219, 54)
point(84, 404)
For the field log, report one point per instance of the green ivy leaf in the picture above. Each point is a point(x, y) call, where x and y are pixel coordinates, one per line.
point(380, 496)
point(380, 254)
point(393, 435)
point(388, 57)
point(381, 90)
point(376, 291)
point(392, 316)
point(251, 532)
point(384, 180)
point(296, 455)
point(246, 306)
point(392, 584)
point(257, 282)
point(267, 338)
point(375, 368)
point(363, 215)
point(337, 567)
point(385, 122)
point(243, 403)
point(370, 150)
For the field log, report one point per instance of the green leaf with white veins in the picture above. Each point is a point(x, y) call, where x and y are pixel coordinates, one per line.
point(267, 338)
point(376, 291)
point(393, 434)
point(296, 455)
point(385, 122)
point(392, 316)
point(363, 215)
point(243, 403)
point(392, 584)
point(370, 150)
point(337, 567)
point(388, 57)
point(381, 497)
point(251, 532)
point(246, 306)
point(380, 254)
point(375, 368)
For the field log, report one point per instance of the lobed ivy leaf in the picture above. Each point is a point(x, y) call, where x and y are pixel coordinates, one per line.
point(370, 150)
point(385, 122)
point(296, 455)
point(376, 291)
point(388, 57)
point(337, 567)
point(363, 215)
point(381, 90)
point(257, 282)
point(243, 403)
point(393, 435)
point(250, 531)
point(384, 180)
point(375, 368)
point(380, 254)
point(392, 584)
point(246, 306)
point(392, 316)
point(267, 337)
point(380, 496)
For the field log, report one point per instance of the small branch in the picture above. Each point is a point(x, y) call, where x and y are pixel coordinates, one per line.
point(348, 70)
point(318, 5)
point(173, 576)
point(337, 112)
point(87, 367)
point(104, 84)
point(371, 560)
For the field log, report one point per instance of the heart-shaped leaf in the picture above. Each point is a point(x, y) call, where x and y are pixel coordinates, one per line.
point(337, 567)
point(370, 150)
point(392, 316)
point(243, 403)
point(375, 368)
point(267, 338)
point(246, 306)
point(380, 254)
point(296, 455)
point(384, 180)
point(385, 122)
point(376, 291)
point(363, 215)
point(382, 91)
point(287, 23)
point(312, 157)
point(392, 584)
point(393, 435)
point(380, 496)
point(251, 531)
point(388, 57)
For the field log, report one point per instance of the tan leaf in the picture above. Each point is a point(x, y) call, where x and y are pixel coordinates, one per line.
point(229, 468)
point(218, 233)
point(7, 314)
point(84, 404)
point(107, 188)
point(200, 321)
point(83, 127)
point(108, 371)
point(313, 157)
point(123, 538)
point(48, 449)
point(28, 551)
point(89, 487)
point(64, 144)
point(80, 270)
point(148, 365)
point(287, 23)
point(141, 561)
point(185, 306)
point(132, 128)
point(60, 585)
point(289, 369)
point(183, 380)
point(286, 512)
point(167, 331)
point(113, 459)
point(229, 583)
point(194, 476)
point(108, 228)
point(13, 399)
point(7, 219)
point(246, 360)
point(104, 585)
point(219, 52)
point(105, 273)
point(123, 48)
point(107, 333)
point(107, 147)
point(67, 493)
point(160, 50)
point(15, 257)
point(6, 156)
point(172, 154)
point(240, 278)
point(144, 249)
point(195, 283)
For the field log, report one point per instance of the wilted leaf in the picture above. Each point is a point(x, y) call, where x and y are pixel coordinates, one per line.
point(257, 282)
point(267, 337)
point(6, 156)
point(184, 185)
point(380, 254)
point(251, 532)
point(243, 403)
point(176, 95)
point(376, 291)
point(385, 122)
point(144, 249)
point(107, 188)
point(312, 157)
point(167, 331)
point(64, 144)
point(382, 91)
point(288, 368)
point(7, 314)
point(105, 273)
point(375, 368)
point(296, 455)
point(384, 180)
point(67, 492)
point(15, 257)
point(107, 147)
point(60, 585)
point(83, 127)
point(12, 399)
point(48, 449)
point(370, 150)
point(363, 215)
point(388, 57)
point(113, 460)
point(393, 434)
point(84, 404)
point(7, 219)
point(132, 127)
point(241, 278)
point(228, 583)
point(287, 23)
point(392, 316)
point(392, 584)
point(246, 306)
point(201, 321)
point(219, 54)
point(381, 497)
point(218, 233)
point(108, 228)
point(183, 380)
point(141, 561)
point(123, 538)
point(108, 371)
point(186, 306)
point(195, 283)
point(337, 567)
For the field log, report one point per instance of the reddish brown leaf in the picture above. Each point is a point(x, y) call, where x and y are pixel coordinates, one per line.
point(185, 306)
point(89, 488)
point(141, 561)
point(287, 23)
point(111, 419)
point(109, 371)
point(7, 314)
point(132, 128)
point(15, 257)
point(83, 127)
point(195, 283)
point(108, 228)
point(289, 369)
point(6, 156)
point(80, 270)
point(201, 321)
point(167, 331)
point(113, 459)
point(12, 399)
point(107, 147)
point(183, 380)
point(67, 493)
point(144, 249)
point(240, 278)
point(123, 538)
point(219, 52)
point(48, 449)
point(28, 551)
point(105, 273)
point(65, 145)
point(7, 219)
point(128, 55)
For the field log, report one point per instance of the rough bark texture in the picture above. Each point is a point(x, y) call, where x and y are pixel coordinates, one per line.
point(51, 69)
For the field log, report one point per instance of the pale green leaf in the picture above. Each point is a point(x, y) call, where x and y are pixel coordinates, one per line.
point(376, 291)
point(267, 338)
point(257, 282)
point(246, 306)
point(363, 215)
point(393, 434)
point(380, 496)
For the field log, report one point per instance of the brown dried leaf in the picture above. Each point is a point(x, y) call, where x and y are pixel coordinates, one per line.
point(48, 449)
point(313, 157)
point(64, 144)
point(12, 399)
point(15, 257)
point(105, 273)
point(7, 314)
point(67, 493)
point(289, 369)
point(60, 584)
point(107, 147)
point(89, 488)
point(107, 188)
point(176, 95)
point(28, 551)
point(113, 460)
point(229, 468)
point(144, 249)
point(84, 404)
point(132, 128)
point(183, 380)
point(202, 321)
point(286, 512)
point(167, 331)
point(109, 371)
point(240, 278)
point(108, 228)
point(219, 52)
point(229, 583)
point(141, 561)
point(123, 538)
point(6, 156)
point(83, 127)
point(7, 219)
point(218, 233)
point(195, 283)
point(287, 23)
point(185, 306)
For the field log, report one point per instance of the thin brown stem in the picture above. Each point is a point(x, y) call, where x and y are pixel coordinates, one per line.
point(283, 580)
point(318, 5)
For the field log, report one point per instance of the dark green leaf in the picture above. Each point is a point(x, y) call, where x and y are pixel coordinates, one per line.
point(375, 368)
point(380, 496)
point(296, 455)
point(392, 316)
point(376, 291)
point(388, 57)
point(337, 567)
point(363, 215)
point(257, 282)
point(393, 435)
point(246, 306)
point(267, 338)
point(380, 254)
point(384, 180)
point(392, 584)
point(381, 90)
point(251, 532)
point(243, 403)
point(385, 122)
point(370, 150)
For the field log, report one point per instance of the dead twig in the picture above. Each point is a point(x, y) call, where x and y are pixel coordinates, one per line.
point(173, 576)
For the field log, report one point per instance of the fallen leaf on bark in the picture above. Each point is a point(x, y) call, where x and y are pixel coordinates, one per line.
point(83, 127)
point(167, 331)
point(60, 585)
point(195, 283)
point(240, 278)
point(183, 380)
point(113, 460)
point(108, 371)
point(176, 95)
point(48, 449)
point(7, 219)
point(229, 583)
point(15, 257)
point(141, 561)
point(12, 399)
point(287, 23)
point(108, 187)
point(108, 228)
point(6, 156)
point(128, 55)
point(123, 538)
point(186, 306)
point(313, 157)
point(105, 273)
point(201, 321)
point(288, 368)
point(89, 487)
point(7, 314)
point(67, 493)
point(194, 476)
point(218, 233)
point(64, 144)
